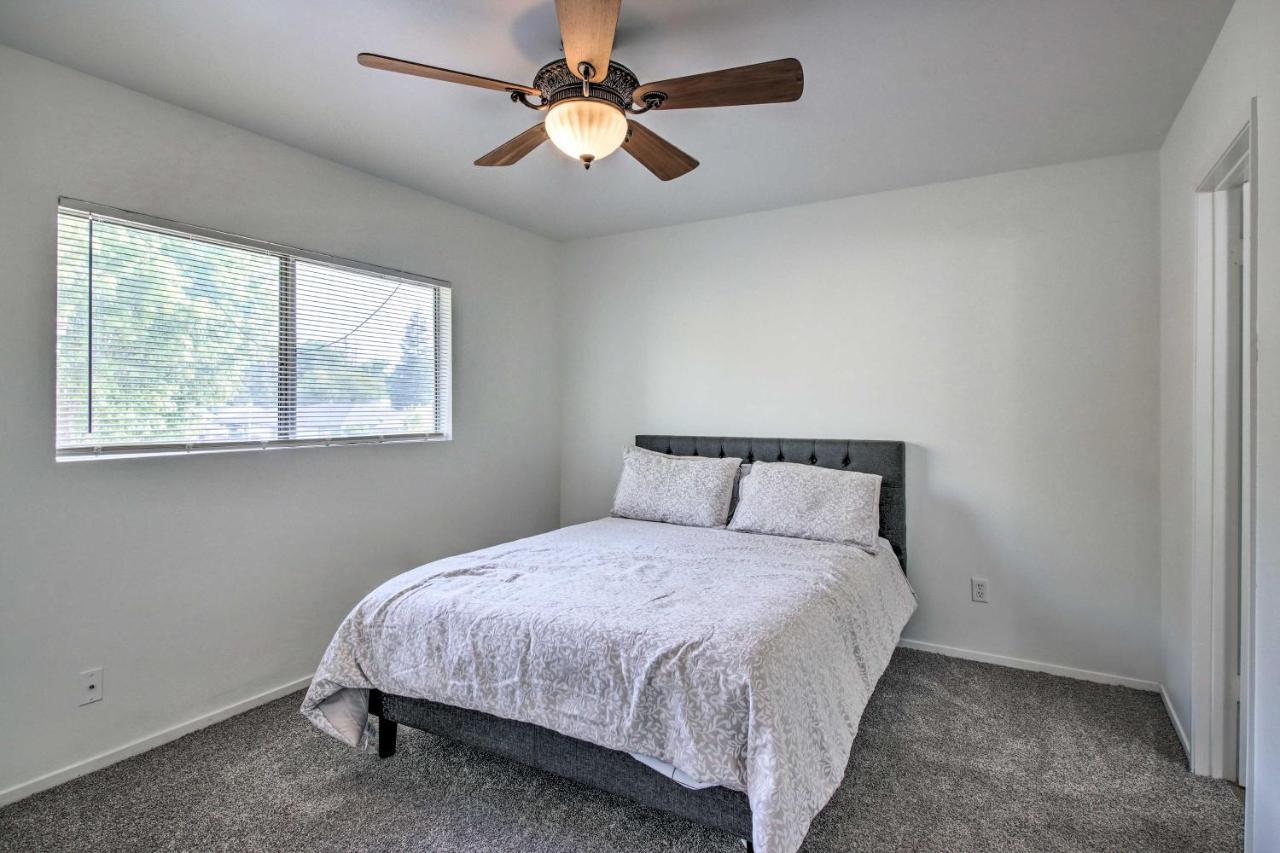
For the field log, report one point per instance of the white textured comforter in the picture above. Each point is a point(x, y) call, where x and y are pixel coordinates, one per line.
point(742, 659)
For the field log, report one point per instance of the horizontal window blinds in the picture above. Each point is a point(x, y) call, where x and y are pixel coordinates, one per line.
point(175, 339)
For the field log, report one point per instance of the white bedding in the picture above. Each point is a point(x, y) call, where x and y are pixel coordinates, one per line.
point(742, 659)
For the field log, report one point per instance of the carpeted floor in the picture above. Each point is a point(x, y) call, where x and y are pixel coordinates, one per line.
point(953, 756)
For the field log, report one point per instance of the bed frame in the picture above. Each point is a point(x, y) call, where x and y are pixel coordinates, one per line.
point(614, 771)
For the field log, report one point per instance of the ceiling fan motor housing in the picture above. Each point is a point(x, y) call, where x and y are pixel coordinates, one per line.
point(557, 83)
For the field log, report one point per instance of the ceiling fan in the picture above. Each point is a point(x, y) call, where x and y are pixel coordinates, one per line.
point(587, 97)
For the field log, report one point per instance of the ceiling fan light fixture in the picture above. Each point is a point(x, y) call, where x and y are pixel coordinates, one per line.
point(587, 129)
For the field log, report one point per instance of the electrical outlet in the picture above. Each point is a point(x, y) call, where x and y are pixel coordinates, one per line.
point(978, 590)
point(91, 686)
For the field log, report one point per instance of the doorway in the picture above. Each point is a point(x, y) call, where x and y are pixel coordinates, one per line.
point(1224, 460)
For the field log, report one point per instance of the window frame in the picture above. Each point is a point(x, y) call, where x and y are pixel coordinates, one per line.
point(286, 350)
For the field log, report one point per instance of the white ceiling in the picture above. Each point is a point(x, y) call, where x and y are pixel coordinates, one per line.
point(897, 92)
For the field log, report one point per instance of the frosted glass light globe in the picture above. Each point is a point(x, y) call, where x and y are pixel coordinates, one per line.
point(585, 129)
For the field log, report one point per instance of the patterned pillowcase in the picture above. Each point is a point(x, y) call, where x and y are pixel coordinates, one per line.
point(743, 470)
point(689, 490)
point(808, 502)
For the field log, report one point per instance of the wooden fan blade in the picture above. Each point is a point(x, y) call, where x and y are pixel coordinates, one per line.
point(657, 154)
point(586, 31)
point(403, 66)
point(762, 83)
point(514, 149)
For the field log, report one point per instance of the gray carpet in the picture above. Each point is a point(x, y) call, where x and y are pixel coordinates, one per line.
point(953, 756)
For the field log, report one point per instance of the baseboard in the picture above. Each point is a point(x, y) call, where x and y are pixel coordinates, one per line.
point(1177, 724)
point(104, 759)
point(1035, 666)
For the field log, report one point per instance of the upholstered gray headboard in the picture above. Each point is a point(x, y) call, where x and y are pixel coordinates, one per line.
point(886, 458)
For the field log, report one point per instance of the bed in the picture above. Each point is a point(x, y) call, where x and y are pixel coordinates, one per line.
point(622, 653)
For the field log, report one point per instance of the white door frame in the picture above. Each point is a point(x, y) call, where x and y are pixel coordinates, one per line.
point(1223, 462)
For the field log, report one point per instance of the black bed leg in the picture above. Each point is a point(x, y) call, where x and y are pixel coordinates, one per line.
point(386, 737)
point(386, 728)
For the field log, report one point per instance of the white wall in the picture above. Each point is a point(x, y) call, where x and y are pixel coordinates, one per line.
point(198, 582)
point(1245, 62)
point(1006, 327)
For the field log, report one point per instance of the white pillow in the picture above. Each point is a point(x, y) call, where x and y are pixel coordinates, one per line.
point(743, 470)
point(808, 502)
point(689, 490)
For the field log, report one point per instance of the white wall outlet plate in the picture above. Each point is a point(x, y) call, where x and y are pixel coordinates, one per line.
point(979, 590)
point(91, 686)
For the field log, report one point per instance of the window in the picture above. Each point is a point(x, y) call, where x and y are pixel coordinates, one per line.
point(174, 339)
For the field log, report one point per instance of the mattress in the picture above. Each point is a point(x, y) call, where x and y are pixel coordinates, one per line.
point(743, 660)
